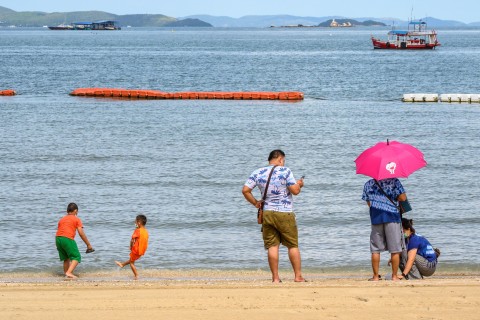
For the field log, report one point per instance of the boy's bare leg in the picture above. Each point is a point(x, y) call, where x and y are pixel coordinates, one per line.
point(122, 264)
point(69, 273)
point(134, 269)
point(66, 265)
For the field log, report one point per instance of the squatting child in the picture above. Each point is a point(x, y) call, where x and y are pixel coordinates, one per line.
point(64, 240)
point(138, 244)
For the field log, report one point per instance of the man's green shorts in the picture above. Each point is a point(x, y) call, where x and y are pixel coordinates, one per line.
point(279, 227)
point(67, 249)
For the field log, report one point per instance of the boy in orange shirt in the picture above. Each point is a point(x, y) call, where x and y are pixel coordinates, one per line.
point(138, 244)
point(64, 240)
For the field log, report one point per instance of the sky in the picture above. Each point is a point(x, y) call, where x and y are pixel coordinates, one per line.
point(460, 10)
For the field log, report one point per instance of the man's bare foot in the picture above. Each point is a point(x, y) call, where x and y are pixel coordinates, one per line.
point(395, 278)
point(375, 278)
point(135, 278)
point(277, 281)
point(300, 279)
point(121, 265)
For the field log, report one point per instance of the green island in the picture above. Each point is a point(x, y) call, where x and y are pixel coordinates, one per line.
point(10, 17)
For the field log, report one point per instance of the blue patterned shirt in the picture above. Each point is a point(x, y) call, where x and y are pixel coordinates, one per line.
point(381, 209)
point(279, 197)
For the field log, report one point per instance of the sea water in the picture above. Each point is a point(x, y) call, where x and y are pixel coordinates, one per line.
point(183, 163)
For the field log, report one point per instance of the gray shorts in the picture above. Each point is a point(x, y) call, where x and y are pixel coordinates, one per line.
point(387, 236)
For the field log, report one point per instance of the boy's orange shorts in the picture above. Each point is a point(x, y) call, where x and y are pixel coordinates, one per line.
point(134, 256)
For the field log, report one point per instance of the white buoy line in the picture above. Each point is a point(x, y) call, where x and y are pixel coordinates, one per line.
point(446, 97)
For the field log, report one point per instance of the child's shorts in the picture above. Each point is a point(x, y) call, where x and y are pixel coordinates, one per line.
point(67, 249)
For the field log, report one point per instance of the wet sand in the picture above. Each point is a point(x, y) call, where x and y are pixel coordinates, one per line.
point(235, 295)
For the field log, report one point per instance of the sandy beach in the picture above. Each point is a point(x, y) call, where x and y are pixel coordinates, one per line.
point(240, 295)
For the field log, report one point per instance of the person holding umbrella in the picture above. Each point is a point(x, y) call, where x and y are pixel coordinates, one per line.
point(385, 217)
point(385, 162)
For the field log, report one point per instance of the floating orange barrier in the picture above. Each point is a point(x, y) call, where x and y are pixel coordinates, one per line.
point(154, 94)
point(7, 92)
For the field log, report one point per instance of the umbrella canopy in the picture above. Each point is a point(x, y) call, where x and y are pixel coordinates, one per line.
point(390, 160)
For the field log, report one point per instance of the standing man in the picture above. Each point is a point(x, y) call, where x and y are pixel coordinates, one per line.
point(279, 225)
point(382, 199)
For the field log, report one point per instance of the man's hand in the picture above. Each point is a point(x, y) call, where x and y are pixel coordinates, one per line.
point(258, 205)
point(300, 183)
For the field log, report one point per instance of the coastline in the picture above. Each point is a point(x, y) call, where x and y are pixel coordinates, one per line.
point(200, 294)
point(211, 275)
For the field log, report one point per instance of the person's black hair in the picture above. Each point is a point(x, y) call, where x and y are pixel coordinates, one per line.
point(72, 207)
point(142, 219)
point(408, 224)
point(275, 154)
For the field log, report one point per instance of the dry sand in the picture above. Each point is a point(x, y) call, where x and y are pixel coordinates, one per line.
point(225, 295)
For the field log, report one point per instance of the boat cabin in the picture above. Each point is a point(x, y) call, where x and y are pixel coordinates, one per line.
point(417, 36)
point(97, 25)
point(105, 25)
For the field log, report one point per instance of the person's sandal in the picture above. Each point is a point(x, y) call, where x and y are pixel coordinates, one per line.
point(90, 250)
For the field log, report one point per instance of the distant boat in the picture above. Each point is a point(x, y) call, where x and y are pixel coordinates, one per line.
point(416, 37)
point(61, 27)
point(96, 25)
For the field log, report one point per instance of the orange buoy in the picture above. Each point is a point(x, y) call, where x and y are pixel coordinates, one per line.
point(116, 93)
point(237, 96)
point(193, 95)
point(178, 95)
point(202, 95)
point(124, 93)
point(247, 96)
point(7, 92)
point(228, 95)
point(154, 94)
point(219, 95)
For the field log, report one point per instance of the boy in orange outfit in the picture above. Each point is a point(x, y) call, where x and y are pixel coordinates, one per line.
point(64, 240)
point(138, 244)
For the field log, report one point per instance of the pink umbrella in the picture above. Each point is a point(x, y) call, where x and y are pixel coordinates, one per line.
point(390, 160)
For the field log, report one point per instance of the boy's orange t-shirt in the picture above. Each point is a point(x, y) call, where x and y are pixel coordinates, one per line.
point(141, 242)
point(67, 226)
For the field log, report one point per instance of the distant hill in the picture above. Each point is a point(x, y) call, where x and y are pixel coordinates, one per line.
point(5, 10)
point(38, 19)
point(263, 21)
point(188, 23)
point(432, 22)
point(436, 23)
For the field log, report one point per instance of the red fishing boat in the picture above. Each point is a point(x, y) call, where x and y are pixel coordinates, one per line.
point(416, 37)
